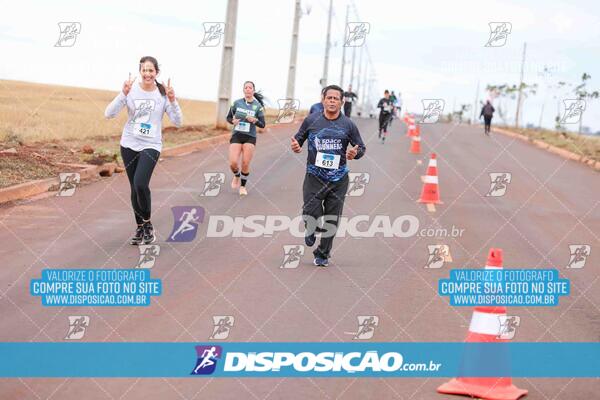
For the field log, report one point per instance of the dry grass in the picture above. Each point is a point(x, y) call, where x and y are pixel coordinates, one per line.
point(31, 112)
point(38, 112)
point(588, 146)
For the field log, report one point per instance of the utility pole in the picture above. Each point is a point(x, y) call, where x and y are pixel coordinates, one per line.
point(359, 72)
point(344, 48)
point(546, 74)
point(352, 69)
point(367, 61)
point(327, 45)
point(226, 76)
point(453, 108)
point(365, 85)
point(475, 106)
point(368, 94)
point(520, 87)
point(291, 83)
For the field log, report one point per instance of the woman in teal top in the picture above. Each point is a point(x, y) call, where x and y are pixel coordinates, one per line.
point(245, 114)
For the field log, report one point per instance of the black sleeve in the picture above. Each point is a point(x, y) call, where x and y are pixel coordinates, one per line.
point(261, 120)
point(380, 104)
point(302, 132)
point(481, 112)
point(230, 114)
point(356, 139)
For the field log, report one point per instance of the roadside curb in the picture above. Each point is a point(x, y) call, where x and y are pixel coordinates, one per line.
point(34, 188)
point(552, 149)
point(197, 145)
point(26, 189)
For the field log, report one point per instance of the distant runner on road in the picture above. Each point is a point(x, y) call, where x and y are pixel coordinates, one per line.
point(316, 108)
point(385, 111)
point(398, 104)
point(487, 111)
point(349, 97)
point(393, 114)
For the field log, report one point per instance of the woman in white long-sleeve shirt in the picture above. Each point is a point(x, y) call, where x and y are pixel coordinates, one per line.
point(141, 141)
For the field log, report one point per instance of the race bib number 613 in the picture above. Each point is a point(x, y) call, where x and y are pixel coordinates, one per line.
point(329, 161)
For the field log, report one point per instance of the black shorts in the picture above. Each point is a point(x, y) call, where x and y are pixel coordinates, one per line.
point(242, 138)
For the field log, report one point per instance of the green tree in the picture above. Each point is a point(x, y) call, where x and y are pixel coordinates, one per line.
point(464, 108)
point(582, 93)
point(506, 91)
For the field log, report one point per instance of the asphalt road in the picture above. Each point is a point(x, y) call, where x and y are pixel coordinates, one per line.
point(549, 204)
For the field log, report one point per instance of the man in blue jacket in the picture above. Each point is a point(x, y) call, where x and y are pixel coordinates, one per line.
point(316, 108)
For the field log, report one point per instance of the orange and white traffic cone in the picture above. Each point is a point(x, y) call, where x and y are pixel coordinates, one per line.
point(432, 166)
point(485, 327)
point(412, 129)
point(430, 193)
point(415, 145)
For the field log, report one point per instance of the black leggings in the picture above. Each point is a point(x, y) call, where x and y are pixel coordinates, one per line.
point(488, 121)
point(348, 109)
point(322, 198)
point(139, 166)
point(384, 119)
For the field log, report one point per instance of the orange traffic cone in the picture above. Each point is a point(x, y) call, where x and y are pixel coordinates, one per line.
point(485, 327)
point(415, 145)
point(411, 129)
point(430, 193)
point(432, 166)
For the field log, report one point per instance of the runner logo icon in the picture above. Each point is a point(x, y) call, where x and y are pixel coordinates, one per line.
point(208, 357)
point(186, 220)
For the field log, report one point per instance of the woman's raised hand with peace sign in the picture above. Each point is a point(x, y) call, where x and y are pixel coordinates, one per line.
point(169, 90)
point(127, 84)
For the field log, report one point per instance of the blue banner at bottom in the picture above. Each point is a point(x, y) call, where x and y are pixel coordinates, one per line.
point(283, 359)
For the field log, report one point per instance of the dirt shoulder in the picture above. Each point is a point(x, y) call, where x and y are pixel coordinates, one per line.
point(21, 162)
point(581, 145)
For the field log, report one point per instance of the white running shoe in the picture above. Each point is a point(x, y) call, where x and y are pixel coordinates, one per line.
point(235, 182)
point(243, 191)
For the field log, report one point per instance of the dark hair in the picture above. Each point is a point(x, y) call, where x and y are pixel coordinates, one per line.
point(161, 88)
point(332, 87)
point(257, 95)
point(387, 91)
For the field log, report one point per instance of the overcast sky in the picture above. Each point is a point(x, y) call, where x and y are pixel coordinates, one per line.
point(425, 49)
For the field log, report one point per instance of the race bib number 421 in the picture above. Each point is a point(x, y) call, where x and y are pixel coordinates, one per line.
point(144, 130)
point(329, 161)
